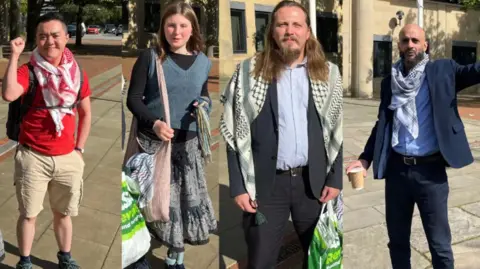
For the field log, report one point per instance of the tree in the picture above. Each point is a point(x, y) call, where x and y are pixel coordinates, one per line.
point(14, 18)
point(109, 4)
point(3, 22)
point(469, 4)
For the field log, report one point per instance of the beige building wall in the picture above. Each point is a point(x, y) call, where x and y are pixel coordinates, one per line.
point(444, 24)
point(228, 59)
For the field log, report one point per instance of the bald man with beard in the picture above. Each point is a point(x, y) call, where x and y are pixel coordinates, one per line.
point(417, 135)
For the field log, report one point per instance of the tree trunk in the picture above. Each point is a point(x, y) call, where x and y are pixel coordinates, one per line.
point(3, 22)
point(14, 18)
point(78, 40)
point(33, 10)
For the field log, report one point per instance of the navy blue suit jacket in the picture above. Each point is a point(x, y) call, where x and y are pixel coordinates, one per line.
point(445, 79)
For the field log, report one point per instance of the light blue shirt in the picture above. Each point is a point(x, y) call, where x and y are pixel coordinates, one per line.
point(293, 89)
point(426, 142)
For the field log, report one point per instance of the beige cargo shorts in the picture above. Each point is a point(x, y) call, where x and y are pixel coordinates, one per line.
point(61, 176)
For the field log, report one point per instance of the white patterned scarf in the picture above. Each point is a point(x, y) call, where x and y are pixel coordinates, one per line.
point(59, 85)
point(243, 99)
point(404, 91)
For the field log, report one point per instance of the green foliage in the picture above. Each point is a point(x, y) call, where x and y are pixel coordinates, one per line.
point(470, 4)
point(92, 14)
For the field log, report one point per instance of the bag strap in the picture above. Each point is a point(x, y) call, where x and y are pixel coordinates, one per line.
point(163, 90)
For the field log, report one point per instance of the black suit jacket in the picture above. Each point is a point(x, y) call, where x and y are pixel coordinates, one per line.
point(264, 134)
point(445, 79)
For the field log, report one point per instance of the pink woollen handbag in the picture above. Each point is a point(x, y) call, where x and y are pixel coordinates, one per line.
point(158, 209)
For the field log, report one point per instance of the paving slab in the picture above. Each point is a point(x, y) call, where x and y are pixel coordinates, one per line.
point(372, 252)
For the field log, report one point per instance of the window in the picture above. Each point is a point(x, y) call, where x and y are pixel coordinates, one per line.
point(464, 52)
point(382, 58)
point(327, 32)
point(261, 22)
point(152, 16)
point(239, 37)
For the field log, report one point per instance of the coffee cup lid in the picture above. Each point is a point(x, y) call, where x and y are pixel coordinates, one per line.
point(356, 170)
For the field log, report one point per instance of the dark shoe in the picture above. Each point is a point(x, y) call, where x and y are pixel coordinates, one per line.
point(179, 266)
point(170, 266)
point(142, 263)
point(67, 262)
point(24, 265)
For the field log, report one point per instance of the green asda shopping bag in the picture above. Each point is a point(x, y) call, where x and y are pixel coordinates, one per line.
point(325, 251)
point(135, 235)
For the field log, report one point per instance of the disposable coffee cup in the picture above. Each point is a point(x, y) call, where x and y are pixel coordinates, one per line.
point(356, 178)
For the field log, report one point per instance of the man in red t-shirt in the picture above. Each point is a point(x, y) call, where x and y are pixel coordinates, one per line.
point(49, 157)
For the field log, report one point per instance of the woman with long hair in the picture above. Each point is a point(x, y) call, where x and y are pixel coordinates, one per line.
point(185, 69)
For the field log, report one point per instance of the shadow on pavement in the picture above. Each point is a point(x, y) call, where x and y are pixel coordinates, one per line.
point(96, 49)
point(154, 261)
point(13, 250)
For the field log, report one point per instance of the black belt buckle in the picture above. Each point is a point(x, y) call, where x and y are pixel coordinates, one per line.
point(409, 160)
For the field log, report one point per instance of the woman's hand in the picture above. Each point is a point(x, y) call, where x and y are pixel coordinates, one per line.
point(162, 130)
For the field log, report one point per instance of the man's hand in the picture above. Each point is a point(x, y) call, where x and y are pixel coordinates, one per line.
point(245, 204)
point(328, 194)
point(79, 153)
point(17, 46)
point(162, 130)
point(358, 163)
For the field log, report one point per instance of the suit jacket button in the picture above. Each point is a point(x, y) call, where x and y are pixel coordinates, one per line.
point(274, 158)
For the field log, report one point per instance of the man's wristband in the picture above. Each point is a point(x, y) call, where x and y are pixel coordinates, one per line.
point(79, 149)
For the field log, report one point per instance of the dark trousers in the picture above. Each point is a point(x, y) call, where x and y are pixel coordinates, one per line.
point(427, 186)
point(290, 194)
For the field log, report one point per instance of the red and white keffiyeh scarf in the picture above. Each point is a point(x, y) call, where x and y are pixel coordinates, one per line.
point(59, 85)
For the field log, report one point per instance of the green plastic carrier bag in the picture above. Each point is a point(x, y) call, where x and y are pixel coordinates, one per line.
point(325, 251)
point(135, 235)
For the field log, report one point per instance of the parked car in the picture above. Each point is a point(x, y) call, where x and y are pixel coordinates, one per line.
point(119, 30)
point(93, 29)
point(109, 28)
point(72, 30)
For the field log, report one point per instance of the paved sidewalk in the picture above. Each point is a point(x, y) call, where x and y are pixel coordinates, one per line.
point(96, 242)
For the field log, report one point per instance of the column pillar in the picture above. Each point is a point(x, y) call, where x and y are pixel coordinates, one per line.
point(362, 63)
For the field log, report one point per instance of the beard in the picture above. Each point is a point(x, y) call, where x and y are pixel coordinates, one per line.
point(412, 62)
point(289, 55)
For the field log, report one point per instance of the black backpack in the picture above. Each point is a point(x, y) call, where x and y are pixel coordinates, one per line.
point(19, 108)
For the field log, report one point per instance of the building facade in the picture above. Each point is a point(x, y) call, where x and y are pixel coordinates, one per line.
point(358, 35)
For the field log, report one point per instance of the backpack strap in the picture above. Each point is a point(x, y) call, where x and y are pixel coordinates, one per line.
point(27, 99)
point(79, 99)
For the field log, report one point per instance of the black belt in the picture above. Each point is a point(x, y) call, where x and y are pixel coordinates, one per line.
point(413, 160)
point(292, 171)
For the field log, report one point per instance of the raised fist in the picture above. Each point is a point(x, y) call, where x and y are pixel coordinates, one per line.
point(17, 45)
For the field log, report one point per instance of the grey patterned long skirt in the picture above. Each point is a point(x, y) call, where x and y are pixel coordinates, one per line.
point(192, 217)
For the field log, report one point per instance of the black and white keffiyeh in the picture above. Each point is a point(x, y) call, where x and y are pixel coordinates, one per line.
point(404, 91)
